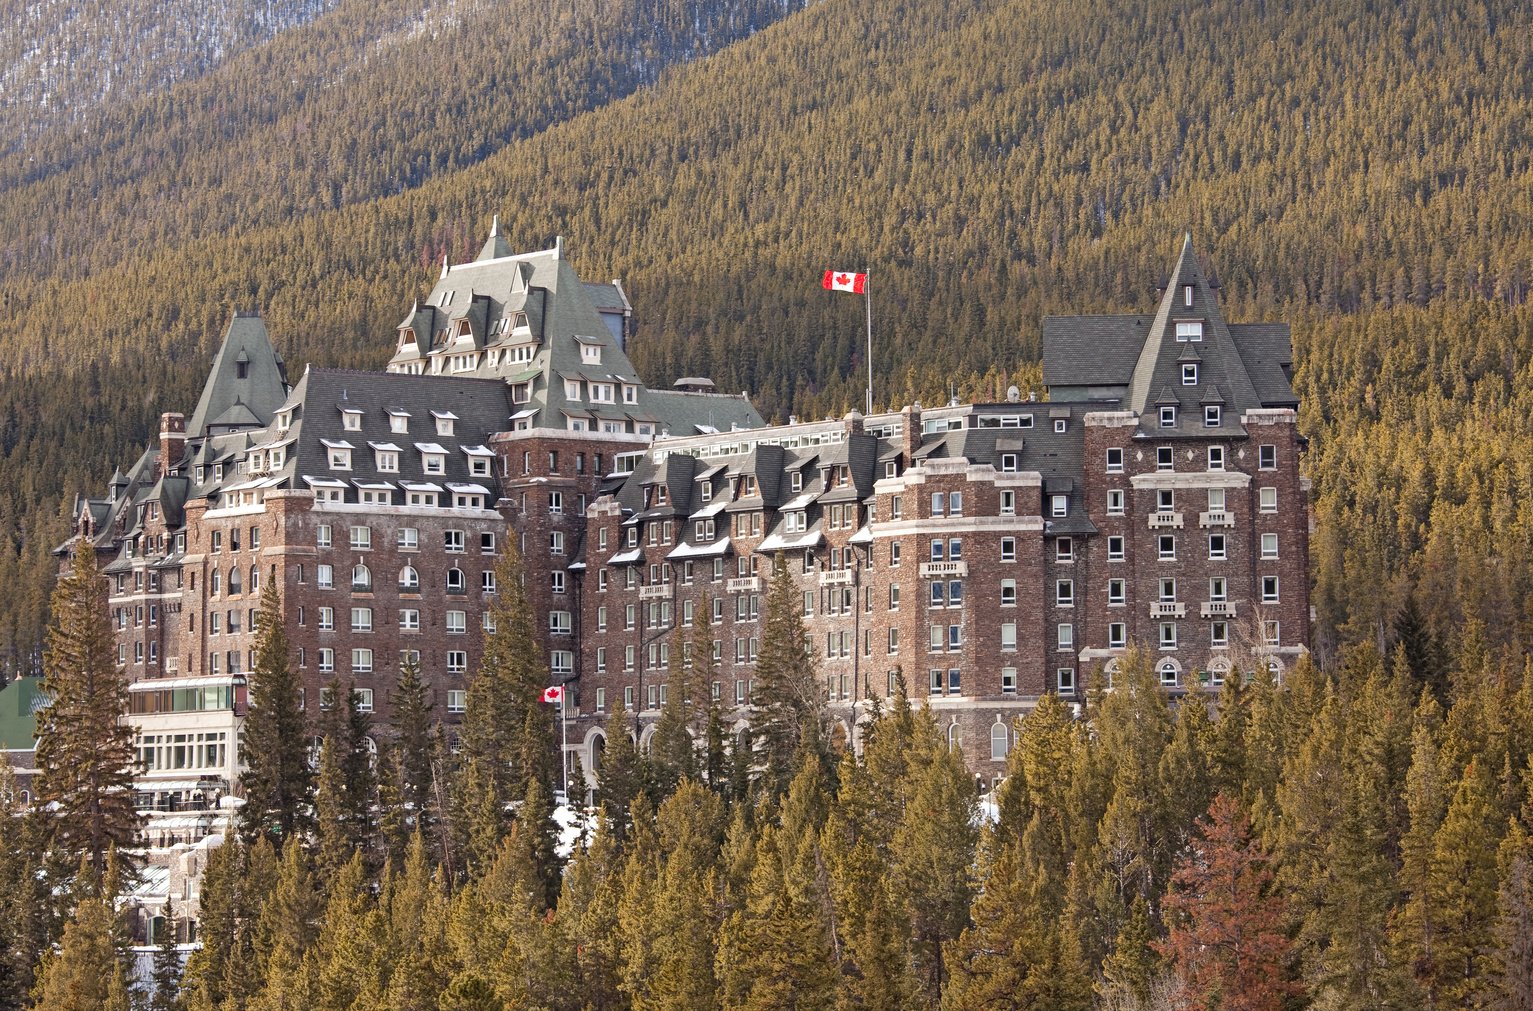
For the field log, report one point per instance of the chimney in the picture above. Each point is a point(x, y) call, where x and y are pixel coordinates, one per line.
point(853, 423)
point(172, 441)
point(910, 433)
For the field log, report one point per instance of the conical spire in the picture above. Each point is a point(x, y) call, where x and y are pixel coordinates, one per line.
point(496, 245)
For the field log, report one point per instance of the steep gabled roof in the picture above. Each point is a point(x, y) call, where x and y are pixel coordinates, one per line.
point(247, 384)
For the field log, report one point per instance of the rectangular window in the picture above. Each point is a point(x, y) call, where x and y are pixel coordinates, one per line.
point(1168, 635)
point(1266, 457)
point(1215, 457)
point(1269, 545)
point(1168, 417)
point(1066, 635)
point(321, 536)
point(1008, 549)
point(1008, 680)
point(361, 619)
point(326, 660)
point(1115, 460)
point(1116, 591)
point(1115, 547)
point(1009, 503)
point(1219, 633)
point(1167, 590)
point(1211, 416)
point(1218, 590)
point(1115, 501)
point(1064, 592)
point(457, 661)
point(939, 503)
point(407, 539)
point(1167, 546)
point(1270, 632)
point(1064, 550)
point(1059, 505)
point(453, 541)
point(1165, 500)
point(955, 503)
point(1269, 589)
point(457, 622)
point(361, 661)
point(457, 700)
point(409, 620)
point(326, 618)
point(1216, 547)
point(1267, 499)
point(1008, 637)
point(1009, 592)
point(936, 676)
point(1117, 634)
point(894, 554)
point(1189, 331)
point(1165, 458)
point(1190, 374)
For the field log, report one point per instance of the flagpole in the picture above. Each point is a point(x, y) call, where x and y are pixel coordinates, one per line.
point(867, 291)
point(564, 754)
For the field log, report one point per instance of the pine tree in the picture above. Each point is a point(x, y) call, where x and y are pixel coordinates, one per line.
point(345, 791)
point(508, 730)
point(84, 748)
point(589, 905)
point(1509, 963)
point(277, 780)
point(672, 752)
point(85, 974)
point(1461, 888)
point(932, 853)
point(413, 741)
point(1226, 941)
point(788, 713)
point(620, 775)
point(166, 977)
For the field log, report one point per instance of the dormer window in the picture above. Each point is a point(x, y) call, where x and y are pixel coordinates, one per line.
point(519, 321)
point(406, 337)
point(796, 481)
point(1190, 374)
point(479, 458)
point(351, 420)
point(386, 457)
point(520, 355)
point(1211, 416)
point(1187, 295)
point(572, 389)
point(445, 299)
point(521, 393)
point(1168, 417)
point(338, 453)
point(630, 393)
point(399, 422)
point(1060, 426)
point(705, 491)
point(747, 486)
point(444, 422)
point(601, 393)
point(590, 354)
point(1189, 330)
point(284, 420)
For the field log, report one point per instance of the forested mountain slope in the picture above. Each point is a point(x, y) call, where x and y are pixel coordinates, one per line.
point(371, 99)
point(1341, 166)
point(59, 59)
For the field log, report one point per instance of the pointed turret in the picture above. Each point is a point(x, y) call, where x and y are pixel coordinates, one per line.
point(247, 384)
point(496, 245)
point(1188, 327)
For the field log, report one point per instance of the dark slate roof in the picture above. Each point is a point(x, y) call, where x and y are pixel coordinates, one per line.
point(1091, 350)
point(1242, 366)
point(243, 402)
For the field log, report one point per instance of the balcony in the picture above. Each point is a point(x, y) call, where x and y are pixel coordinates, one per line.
point(655, 591)
point(1222, 518)
point(1217, 609)
point(1168, 609)
point(932, 570)
point(1163, 520)
point(743, 584)
point(836, 577)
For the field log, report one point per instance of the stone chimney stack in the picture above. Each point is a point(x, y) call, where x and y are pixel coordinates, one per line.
point(853, 423)
point(172, 440)
point(910, 432)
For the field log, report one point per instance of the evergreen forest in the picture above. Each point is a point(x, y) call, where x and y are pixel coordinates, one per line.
point(1363, 171)
point(1357, 837)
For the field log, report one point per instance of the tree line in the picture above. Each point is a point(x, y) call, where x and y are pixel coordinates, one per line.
point(1353, 837)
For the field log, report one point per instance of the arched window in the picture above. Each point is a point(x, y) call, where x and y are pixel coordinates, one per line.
point(234, 581)
point(409, 579)
point(954, 736)
point(456, 583)
point(1000, 742)
point(1170, 674)
point(361, 578)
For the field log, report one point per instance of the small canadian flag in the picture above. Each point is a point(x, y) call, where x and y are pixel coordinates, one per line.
point(841, 280)
point(554, 694)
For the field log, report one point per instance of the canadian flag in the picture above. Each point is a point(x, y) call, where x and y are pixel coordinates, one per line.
point(554, 694)
point(840, 280)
